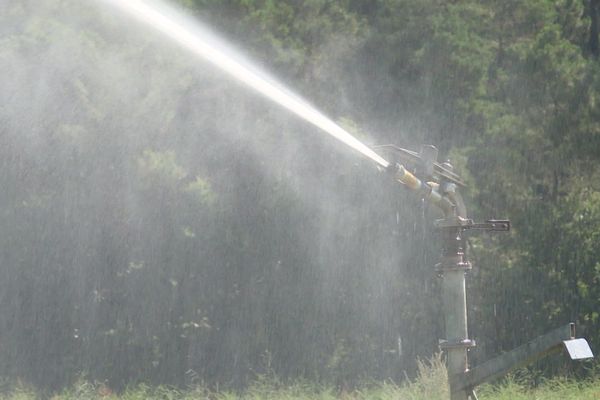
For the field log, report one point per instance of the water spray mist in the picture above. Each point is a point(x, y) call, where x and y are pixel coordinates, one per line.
point(166, 20)
point(435, 182)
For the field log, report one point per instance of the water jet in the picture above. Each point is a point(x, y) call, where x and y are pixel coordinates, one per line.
point(421, 173)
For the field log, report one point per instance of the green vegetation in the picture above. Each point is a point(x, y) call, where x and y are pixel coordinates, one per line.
point(430, 384)
point(161, 224)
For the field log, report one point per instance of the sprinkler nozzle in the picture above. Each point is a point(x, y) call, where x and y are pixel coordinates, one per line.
point(429, 190)
point(406, 178)
point(400, 174)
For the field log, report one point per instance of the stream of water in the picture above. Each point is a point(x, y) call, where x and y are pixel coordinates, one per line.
point(166, 20)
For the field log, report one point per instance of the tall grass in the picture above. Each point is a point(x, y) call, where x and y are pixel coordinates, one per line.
point(431, 384)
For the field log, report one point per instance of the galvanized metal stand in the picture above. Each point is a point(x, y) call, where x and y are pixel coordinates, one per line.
point(561, 339)
point(441, 191)
point(453, 269)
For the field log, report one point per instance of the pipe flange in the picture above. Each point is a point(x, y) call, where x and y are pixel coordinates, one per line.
point(459, 344)
point(459, 266)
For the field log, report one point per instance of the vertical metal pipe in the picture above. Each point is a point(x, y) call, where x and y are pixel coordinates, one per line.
point(456, 326)
point(453, 268)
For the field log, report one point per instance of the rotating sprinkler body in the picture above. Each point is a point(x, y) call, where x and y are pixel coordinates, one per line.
point(438, 184)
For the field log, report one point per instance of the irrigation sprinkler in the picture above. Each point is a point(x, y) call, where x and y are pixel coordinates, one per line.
point(439, 184)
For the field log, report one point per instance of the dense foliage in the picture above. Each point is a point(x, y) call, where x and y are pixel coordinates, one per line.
point(161, 224)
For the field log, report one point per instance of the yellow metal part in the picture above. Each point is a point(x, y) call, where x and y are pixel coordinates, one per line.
point(429, 190)
point(408, 179)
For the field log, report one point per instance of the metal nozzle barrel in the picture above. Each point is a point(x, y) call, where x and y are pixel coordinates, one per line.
point(428, 191)
point(403, 176)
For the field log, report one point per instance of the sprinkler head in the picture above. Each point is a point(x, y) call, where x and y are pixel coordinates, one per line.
point(424, 164)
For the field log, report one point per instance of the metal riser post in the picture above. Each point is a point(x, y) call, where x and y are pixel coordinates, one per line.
point(453, 269)
point(455, 310)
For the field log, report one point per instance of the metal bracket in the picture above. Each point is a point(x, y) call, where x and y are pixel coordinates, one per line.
point(491, 225)
point(551, 342)
point(459, 344)
point(460, 266)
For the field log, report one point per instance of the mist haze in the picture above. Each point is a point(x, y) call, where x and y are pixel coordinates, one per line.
point(162, 223)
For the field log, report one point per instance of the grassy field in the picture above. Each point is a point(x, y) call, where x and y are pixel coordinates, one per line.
point(553, 390)
point(430, 385)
